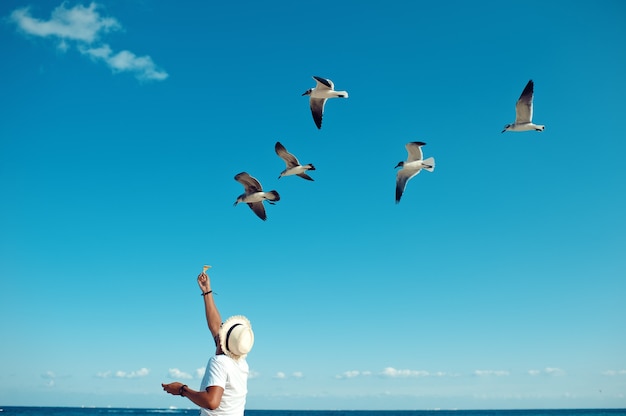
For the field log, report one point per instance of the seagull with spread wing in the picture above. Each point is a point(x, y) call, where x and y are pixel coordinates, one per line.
point(524, 112)
point(254, 195)
point(323, 90)
point(412, 166)
point(293, 165)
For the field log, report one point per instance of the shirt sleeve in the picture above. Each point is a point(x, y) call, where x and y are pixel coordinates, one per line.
point(217, 373)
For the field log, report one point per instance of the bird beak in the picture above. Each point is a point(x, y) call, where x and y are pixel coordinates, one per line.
point(307, 92)
point(399, 164)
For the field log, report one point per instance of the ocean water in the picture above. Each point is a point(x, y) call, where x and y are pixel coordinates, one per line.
point(81, 411)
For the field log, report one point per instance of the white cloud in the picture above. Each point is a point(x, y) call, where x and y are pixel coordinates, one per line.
point(133, 374)
point(444, 374)
point(85, 27)
point(297, 374)
point(125, 61)
point(177, 374)
point(254, 374)
point(391, 372)
point(48, 375)
point(550, 371)
point(614, 373)
point(352, 374)
point(79, 23)
point(50, 378)
point(200, 372)
point(280, 375)
point(394, 373)
point(496, 373)
point(104, 374)
point(554, 371)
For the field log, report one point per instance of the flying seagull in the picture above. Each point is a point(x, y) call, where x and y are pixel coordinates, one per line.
point(293, 166)
point(323, 90)
point(413, 165)
point(524, 112)
point(254, 195)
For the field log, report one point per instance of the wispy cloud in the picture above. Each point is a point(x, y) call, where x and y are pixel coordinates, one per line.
point(143, 372)
point(353, 374)
point(133, 374)
point(142, 66)
point(390, 372)
point(614, 373)
point(491, 373)
point(50, 378)
point(553, 371)
point(177, 374)
point(549, 371)
point(79, 23)
point(282, 376)
point(394, 373)
point(84, 27)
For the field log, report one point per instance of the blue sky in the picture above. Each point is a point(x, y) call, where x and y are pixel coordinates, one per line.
point(497, 282)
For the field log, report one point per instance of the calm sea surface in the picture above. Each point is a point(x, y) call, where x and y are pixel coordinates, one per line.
point(79, 411)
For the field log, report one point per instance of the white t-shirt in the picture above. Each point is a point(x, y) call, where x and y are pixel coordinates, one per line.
point(232, 376)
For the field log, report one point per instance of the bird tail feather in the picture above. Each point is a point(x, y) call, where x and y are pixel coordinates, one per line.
point(273, 196)
point(429, 164)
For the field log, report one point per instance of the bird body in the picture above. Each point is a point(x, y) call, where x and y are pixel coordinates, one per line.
point(412, 166)
point(254, 194)
point(524, 112)
point(258, 197)
point(323, 90)
point(293, 166)
point(416, 165)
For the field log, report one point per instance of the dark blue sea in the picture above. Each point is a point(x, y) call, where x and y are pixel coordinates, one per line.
point(80, 411)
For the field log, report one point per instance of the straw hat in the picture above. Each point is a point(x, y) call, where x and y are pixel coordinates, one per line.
point(236, 337)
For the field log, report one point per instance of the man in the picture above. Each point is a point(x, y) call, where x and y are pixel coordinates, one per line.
point(224, 386)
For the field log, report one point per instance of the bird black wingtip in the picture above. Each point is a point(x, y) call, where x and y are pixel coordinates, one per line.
point(322, 80)
point(528, 89)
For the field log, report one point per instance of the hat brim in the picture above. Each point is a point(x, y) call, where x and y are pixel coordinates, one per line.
point(226, 326)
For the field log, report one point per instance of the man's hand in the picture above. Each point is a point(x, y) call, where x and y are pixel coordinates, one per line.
point(204, 282)
point(172, 388)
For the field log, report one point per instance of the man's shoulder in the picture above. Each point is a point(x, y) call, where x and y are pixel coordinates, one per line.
point(227, 362)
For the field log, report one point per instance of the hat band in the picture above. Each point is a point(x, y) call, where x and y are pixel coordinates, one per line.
point(228, 335)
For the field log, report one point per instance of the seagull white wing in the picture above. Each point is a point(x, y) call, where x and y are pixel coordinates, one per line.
point(524, 106)
point(415, 151)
